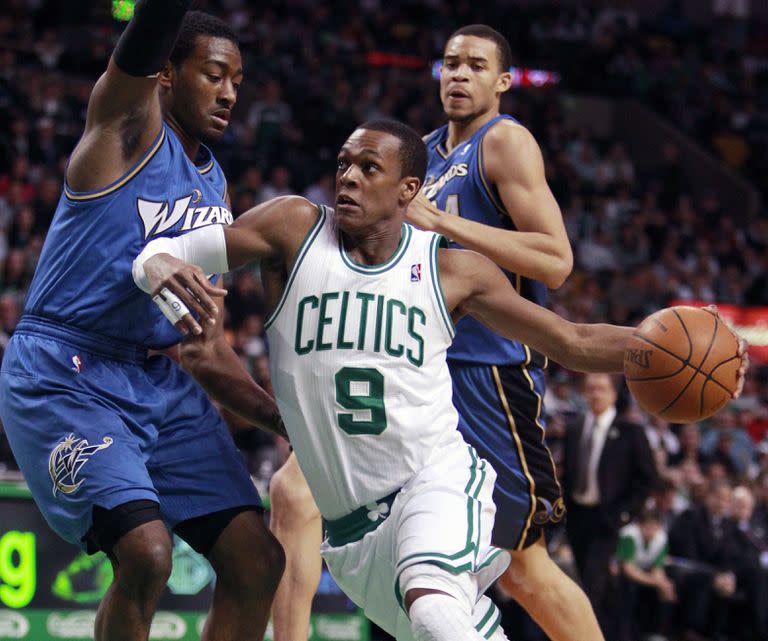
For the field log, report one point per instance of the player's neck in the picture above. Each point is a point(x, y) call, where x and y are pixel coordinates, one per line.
point(191, 145)
point(373, 246)
point(459, 131)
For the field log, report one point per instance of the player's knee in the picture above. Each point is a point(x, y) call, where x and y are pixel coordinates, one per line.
point(531, 572)
point(144, 567)
point(290, 497)
point(258, 569)
point(436, 616)
point(423, 579)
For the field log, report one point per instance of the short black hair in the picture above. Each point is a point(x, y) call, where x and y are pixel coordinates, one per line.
point(413, 151)
point(487, 33)
point(199, 23)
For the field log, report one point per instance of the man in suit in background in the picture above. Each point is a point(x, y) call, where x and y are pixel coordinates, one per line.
point(609, 472)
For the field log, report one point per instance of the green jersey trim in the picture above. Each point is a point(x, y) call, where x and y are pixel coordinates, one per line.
point(308, 240)
point(465, 559)
point(375, 270)
point(437, 242)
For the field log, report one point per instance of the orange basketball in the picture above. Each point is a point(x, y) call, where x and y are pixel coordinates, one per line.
point(682, 363)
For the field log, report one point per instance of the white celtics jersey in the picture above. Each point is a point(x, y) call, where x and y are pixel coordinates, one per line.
point(357, 355)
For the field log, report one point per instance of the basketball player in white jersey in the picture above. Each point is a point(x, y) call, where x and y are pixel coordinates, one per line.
point(364, 307)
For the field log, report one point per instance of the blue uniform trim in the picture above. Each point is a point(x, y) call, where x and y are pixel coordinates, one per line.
point(521, 455)
point(78, 196)
point(490, 192)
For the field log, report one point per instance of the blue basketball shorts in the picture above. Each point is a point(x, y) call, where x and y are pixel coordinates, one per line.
point(91, 422)
point(500, 410)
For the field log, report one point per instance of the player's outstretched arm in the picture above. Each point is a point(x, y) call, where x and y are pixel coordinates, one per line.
point(474, 285)
point(173, 270)
point(539, 249)
point(210, 359)
point(124, 114)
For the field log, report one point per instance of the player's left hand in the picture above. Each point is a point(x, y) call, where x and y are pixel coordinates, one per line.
point(743, 351)
point(178, 287)
point(423, 214)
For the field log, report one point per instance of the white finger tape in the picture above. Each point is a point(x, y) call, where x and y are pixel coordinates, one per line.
point(172, 306)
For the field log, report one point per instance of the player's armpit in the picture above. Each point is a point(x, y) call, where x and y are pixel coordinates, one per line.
point(124, 114)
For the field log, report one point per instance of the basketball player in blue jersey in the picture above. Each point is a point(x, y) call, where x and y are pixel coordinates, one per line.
point(486, 190)
point(118, 446)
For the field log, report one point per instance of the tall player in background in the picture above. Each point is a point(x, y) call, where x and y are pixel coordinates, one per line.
point(363, 311)
point(116, 445)
point(486, 190)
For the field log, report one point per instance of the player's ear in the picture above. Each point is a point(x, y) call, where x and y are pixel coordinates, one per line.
point(409, 187)
point(503, 82)
point(165, 77)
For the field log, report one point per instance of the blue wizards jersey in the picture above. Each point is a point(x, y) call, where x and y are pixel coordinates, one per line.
point(84, 277)
point(456, 183)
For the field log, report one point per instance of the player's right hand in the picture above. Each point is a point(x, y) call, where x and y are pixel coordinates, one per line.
point(178, 289)
point(743, 352)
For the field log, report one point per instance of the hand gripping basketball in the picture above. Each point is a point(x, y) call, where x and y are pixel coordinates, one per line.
point(684, 363)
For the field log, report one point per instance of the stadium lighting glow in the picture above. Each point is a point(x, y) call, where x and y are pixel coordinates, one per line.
point(521, 76)
point(123, 9)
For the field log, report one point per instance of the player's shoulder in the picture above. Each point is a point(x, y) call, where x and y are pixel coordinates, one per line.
point(294, 206)
point(508, 144)
point(505, 132)
point(460, 262)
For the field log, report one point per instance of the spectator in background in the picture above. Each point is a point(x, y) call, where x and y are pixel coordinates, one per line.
point(279, 184)
point(609, 472)
point(647, 592)
point(322, 191)
point(690, 444)
point(661, 436)
point(703, 540)
point(266, 119)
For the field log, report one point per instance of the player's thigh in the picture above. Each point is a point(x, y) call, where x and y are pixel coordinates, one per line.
point(75, 448)
point(446, 521)
point(365, 571)
point(291, 500)
point(500, 415)
point(195, 466)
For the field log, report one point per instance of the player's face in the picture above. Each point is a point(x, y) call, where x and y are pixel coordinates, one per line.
point(205, 88)
point(369, 185)
point(471, 79)
point(599, 392)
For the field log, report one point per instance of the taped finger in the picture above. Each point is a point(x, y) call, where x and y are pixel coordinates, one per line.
point(172, 306)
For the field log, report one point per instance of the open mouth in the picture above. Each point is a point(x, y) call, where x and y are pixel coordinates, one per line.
point(457, 94)
point(342, 200)
point(221, 117)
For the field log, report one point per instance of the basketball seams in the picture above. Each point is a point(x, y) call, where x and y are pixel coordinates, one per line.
point(697, 370)
point(681, 398)
point(687, 335)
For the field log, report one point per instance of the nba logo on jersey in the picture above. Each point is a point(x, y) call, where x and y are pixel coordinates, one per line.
point(416, 272)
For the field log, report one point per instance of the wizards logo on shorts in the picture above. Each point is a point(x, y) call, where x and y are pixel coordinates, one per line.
point(67, 459)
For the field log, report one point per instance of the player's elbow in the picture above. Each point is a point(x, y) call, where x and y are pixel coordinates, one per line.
point(559, 271)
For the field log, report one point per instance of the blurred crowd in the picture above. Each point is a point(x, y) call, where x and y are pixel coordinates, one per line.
point(641, 239)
